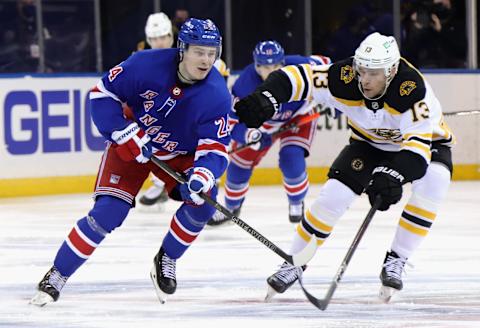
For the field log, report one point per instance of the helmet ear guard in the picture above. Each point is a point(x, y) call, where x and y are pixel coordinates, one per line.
point(201, 33)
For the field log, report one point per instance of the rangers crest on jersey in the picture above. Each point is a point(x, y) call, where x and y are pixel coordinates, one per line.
point(407, 87)
point(347, 74)
point(149, 94)
point(147, 105)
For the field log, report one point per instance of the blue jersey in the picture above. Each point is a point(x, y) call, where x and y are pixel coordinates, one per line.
point(179, 118)
point(249, 80)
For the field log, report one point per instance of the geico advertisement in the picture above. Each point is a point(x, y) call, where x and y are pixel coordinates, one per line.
point(47, 129)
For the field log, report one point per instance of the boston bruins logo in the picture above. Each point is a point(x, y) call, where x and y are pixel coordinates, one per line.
point(387, 133)
point(357, 164)
point(347, 74)
point(407, 87)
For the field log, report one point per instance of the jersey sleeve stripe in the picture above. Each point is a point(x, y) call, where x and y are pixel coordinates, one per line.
point(418, 148)
point(304, 78)
point(102, 88)
point(423, 141)
point(423, 136)
point(295, 80)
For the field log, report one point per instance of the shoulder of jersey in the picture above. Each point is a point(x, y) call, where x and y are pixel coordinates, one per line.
point(341, 80)
point(407, 88)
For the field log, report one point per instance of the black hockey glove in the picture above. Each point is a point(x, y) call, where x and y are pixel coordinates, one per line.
point(256, 108)
point(387, 183)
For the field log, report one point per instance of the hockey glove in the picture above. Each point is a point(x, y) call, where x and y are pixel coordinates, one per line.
point(387, 183)
point(256, 108)
point(133, 144)
point(201, 180)
point(257, 139)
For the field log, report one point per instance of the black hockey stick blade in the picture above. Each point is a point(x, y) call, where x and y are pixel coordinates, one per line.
point(299, 259)
point(322, 304)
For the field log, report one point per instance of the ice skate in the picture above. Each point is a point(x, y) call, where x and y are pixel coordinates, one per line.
point(296, 212)
point(283, 279)
point(391, 275)
point(154, 195)
point(49, 288)
point(163, 275)
point(218, 219)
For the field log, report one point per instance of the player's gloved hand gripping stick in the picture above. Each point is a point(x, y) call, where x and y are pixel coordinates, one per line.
point(298, 259)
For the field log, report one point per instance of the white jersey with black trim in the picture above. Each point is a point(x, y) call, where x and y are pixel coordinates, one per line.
point(408, 117)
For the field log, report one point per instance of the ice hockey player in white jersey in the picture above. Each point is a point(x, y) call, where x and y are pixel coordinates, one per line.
point(398, 136)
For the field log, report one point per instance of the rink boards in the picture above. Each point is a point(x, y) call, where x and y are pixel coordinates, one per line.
point(51, 146)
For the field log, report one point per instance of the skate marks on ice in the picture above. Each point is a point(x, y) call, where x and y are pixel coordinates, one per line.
point(222, 278)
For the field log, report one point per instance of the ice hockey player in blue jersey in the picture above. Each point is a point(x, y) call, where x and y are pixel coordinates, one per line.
point(180, 107)
point(295, 144)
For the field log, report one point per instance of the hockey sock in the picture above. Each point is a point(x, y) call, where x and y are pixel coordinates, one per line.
point(421, 210)
point(185, 226)
point(321, 217)
point(236, 185)
point(107, 214)
point(295, 178)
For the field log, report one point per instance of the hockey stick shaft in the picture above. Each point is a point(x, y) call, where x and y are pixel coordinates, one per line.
point(322, 304)
point(298, 259)
point(462, 113)
point(283, 129)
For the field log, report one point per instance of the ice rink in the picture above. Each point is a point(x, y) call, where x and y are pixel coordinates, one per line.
point(221, 278)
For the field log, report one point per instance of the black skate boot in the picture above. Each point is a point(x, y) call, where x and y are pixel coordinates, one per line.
point(163, 275)
point(391, 275)
point(49, 288)
point(283, 279)
point(296, 212)
point(219, 219)
point(154, 195)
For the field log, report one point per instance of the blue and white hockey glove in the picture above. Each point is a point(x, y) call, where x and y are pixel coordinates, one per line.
point(133, 144)
point(258, 139)
point(201, 180)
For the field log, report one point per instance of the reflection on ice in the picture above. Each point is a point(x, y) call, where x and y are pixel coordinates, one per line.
point(221, 279)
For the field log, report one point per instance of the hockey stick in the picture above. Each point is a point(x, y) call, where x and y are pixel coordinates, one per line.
point(285, 128)
point(298, 259)
point(323, 303)
point(463, 112)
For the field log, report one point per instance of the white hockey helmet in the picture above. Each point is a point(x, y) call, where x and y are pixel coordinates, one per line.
point(157, 25)
point(378, 51)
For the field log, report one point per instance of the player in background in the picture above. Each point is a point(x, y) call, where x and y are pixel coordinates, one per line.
point(159, 35)
point(269, 56)
point(158, 32)
point(398, 136)
point(180, 106)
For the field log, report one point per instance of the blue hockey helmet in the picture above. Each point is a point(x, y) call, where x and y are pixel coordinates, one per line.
point(201, 33)
point(268, 53)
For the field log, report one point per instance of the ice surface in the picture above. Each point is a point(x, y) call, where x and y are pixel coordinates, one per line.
point(221, 278)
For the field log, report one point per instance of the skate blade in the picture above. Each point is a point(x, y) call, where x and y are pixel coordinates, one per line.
point(41, 299)
point(386, 293)
point(219, 225)
point(270, 294)
point(162, 297)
